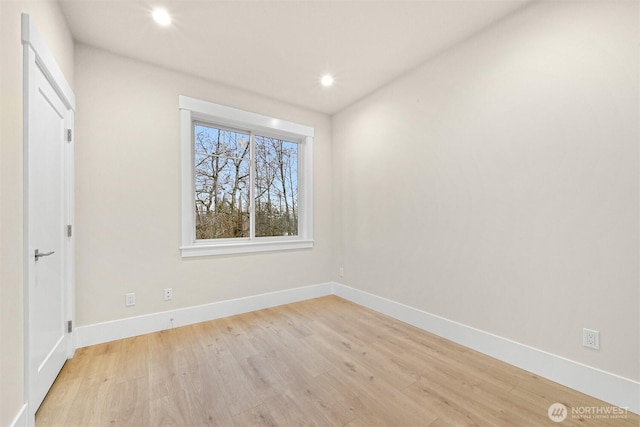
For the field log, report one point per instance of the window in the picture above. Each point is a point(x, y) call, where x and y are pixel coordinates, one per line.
point(246, 181)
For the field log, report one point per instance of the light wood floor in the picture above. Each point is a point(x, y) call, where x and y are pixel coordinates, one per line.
point(324, 362)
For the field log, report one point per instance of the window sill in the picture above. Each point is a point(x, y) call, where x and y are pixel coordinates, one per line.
point(243, 248)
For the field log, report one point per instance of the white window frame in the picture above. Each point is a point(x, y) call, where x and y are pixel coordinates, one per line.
point(192, 109)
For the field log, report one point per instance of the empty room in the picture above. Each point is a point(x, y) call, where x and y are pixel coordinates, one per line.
point(319, 213)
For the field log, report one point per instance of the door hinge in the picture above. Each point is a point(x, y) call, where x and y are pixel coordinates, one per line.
point(69, 134)
point(69, 230)
point(70, 326)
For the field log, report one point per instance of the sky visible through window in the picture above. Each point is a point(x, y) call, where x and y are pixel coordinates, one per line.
point(223, 184)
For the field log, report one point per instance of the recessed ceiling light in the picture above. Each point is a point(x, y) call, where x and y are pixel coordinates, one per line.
point(327, 80)
point(161, 16)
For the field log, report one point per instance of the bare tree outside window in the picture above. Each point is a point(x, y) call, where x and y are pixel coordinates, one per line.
point(276, 184)
point(221, 183)
point(223, 189)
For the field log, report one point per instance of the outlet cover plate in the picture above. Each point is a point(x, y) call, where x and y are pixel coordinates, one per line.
point(130, 299)
point(591, 338)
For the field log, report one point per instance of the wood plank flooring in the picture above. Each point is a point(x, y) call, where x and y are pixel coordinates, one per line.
point(323, 362)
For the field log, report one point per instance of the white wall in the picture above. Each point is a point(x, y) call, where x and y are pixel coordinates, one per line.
point(46, 16)
point(128, 195)
point(497, 185)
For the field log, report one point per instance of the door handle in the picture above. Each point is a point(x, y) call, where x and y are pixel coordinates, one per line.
point(39, 255)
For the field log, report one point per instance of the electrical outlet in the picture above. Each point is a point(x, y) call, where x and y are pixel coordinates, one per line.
point(168, 294)
point(130, 299)
point(591, 338)
point(341, 272)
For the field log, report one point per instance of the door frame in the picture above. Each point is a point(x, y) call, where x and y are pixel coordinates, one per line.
point(37, 54)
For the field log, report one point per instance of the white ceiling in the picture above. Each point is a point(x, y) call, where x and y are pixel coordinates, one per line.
point(280, 48)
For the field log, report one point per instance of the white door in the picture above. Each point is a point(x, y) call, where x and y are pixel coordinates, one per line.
point(47, 298)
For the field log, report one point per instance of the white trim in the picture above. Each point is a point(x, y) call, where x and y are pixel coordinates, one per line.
point(240, 118)
point(188, 190)
point(69, 241)
point(305, 191)
point(606, 386)
point(36, 55)
point(125, 328)
point(611, 388)
point(196, 109)
point(244, 247)
point(20, 419)
point(31, 36)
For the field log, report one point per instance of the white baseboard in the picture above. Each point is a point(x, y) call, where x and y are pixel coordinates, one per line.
point(602, 385)
point(611, 388)
point(133, 326)
point(21, 420)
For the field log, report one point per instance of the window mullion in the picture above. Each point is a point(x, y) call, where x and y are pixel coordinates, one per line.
point(301, 190)
point(252, 188)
